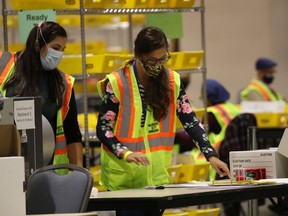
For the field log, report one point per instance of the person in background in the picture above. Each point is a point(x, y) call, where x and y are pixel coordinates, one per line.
point(33, 72)
point(220, 112)
point(136, 123)
point(260, 88)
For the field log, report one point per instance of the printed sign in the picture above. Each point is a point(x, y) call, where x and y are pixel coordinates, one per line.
point(29, 18)
point(24, 114)
point(169, 23)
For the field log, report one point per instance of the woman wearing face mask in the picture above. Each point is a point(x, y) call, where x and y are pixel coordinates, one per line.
point(33, 72)
point(136, 123)
point(260, 89)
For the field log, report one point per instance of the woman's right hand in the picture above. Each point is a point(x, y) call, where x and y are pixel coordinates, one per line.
point(138, 158)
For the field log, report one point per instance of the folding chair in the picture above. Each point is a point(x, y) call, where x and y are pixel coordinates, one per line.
point(49, 192)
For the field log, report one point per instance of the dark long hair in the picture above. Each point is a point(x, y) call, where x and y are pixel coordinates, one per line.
point(28, 68)
point(157, 94)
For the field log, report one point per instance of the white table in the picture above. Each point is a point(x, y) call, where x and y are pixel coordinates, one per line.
point(154, 202)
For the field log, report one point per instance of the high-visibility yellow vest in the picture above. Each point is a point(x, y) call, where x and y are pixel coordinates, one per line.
point(223, 113)
point(155, 139)
point(262, 89)
point(7, 63)
point(60, 152)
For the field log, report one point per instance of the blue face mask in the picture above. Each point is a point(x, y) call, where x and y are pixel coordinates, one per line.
point(52, 59)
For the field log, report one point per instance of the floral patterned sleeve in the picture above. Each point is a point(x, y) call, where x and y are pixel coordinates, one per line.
point(106, 120)
point(192, 125)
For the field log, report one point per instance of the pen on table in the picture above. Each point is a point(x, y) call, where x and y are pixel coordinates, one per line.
point(155, 187)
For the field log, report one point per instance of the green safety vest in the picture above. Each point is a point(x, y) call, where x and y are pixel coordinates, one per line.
point(262, 89)
point(7, 64)
point(155, 139)
point(223, 113)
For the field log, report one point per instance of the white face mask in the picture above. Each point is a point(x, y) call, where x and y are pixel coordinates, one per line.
point(52, 59)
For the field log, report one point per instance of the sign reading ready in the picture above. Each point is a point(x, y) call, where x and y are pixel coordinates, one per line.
point(29, 18)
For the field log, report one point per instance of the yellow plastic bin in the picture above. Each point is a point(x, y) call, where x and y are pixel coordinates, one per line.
point(271, 119)
point(174, 173)
point(181, 3)
point(12, 21)
point(190, 60)
point(159, 3)
point(286, 108)
point(91, 85)
point(185, 60)
point(96, 172)
point(95, 47)
point(182, 173)
point(107, 63)
point(92, 47)
point(72, 64)
point(204, 212)
point(102, 63)
point(92, 120)
point(104, 3)
point(189, 172)
point(125, 58)
point(136, 4)
point(172, 60)
point(14, 47)
point(68, 20)
point(44, 4)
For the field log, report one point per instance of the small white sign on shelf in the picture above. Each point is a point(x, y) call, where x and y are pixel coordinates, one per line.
point(24, 114)
point(262, 107)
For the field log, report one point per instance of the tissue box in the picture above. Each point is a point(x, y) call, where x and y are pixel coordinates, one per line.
point(273, 160)
point(12, 194)
point(270, 159)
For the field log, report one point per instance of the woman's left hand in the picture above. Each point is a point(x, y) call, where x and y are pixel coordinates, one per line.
point(219, 166)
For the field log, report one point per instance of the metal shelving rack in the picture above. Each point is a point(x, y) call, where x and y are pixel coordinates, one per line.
point(82, 11)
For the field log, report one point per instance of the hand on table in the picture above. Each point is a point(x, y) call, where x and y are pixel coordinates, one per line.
point(219, 166)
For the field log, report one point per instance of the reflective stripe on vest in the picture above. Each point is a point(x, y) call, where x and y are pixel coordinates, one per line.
point(6, 67)
point(124, 127)
point(163, 126)
point(154, 145)
point(60, 152)
point(223, 113)
point(155, 139)
point(262, 89)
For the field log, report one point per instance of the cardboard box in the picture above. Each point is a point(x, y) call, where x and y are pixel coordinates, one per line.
point(22, 131)
point(12, 194)
point(10, 146)
point(274, 160)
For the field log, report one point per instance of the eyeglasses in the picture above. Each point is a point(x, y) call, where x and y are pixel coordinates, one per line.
point(153, 61)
